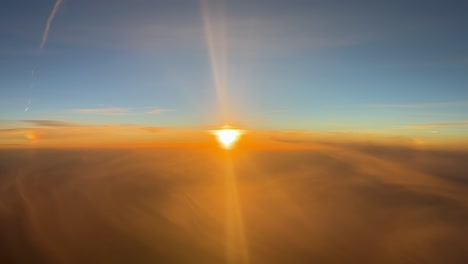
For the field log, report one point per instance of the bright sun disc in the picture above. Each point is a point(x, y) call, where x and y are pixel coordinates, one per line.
point(227, 137)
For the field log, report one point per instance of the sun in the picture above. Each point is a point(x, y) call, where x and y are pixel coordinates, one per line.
point(227, 137)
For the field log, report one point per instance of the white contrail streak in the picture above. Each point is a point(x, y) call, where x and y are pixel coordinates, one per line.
point(45, 35)
point(29, 104)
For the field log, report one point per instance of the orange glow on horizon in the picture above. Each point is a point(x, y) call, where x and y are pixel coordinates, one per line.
point(31, 136)
point(100, 136)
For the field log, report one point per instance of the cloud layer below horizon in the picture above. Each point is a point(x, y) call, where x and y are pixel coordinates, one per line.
point(342, 204)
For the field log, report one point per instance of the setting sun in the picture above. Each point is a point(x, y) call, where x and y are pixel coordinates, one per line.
point(227, 137)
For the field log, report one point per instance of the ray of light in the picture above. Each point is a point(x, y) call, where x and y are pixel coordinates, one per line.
point(214, 24)
point(236, 244)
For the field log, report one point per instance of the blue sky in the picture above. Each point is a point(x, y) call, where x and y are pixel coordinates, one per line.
point(314, 65)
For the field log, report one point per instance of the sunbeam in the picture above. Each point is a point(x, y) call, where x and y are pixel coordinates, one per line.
point(236, 249)
point(236, 244)
point(213, 14)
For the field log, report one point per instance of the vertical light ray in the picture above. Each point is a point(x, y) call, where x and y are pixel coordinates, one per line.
point(214, 22)
point(215, 34)
point(236, 244)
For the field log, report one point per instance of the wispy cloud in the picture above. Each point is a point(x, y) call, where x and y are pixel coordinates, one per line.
point(157, 111)
point(273, 111)
point(334, 124)
point(49, 123)
point(153, 129)
point(438, 63)
point(423, 105)
point(53, 133)
point(346, 137)
point(266, 34)
point(104, 111)
point(439, 125)
point(10, 130)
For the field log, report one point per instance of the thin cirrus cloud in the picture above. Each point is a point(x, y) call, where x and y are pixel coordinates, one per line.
point(49, 123)
point(157, 111)
point(439, 125)
point(58, 133)
point(269, 34)
point(345, 137)
point(103, 111)
point(273, 111)
point(422, 105)
point(121, 111)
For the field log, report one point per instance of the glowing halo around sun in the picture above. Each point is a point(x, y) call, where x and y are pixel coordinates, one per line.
point(227, 137)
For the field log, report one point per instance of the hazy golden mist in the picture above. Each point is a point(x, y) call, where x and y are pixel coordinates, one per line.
point(335, 203)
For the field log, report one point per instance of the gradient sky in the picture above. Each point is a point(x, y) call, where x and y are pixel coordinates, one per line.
point(392, 66)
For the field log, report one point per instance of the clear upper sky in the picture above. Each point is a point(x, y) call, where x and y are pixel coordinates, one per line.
point(314, 65)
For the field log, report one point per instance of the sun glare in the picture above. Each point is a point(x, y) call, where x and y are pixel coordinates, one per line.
point(227, 137)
